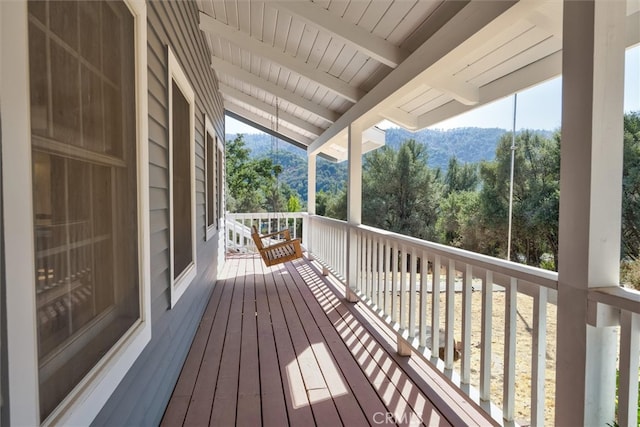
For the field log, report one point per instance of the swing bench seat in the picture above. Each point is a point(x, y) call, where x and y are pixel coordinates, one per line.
point(277, 253)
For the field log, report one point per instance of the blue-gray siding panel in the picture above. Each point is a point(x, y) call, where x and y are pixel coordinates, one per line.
point(142, 396)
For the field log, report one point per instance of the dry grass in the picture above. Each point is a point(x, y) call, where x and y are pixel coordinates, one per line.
point(524, 340)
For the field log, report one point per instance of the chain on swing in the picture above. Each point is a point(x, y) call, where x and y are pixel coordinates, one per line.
point(275, 150)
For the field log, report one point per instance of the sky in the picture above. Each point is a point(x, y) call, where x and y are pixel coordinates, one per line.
point(538, 107)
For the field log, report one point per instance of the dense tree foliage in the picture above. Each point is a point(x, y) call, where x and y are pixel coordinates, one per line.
point(535, 199)
point(461, 203)
point(631, 187)
point(253, 184)
point(400, 192)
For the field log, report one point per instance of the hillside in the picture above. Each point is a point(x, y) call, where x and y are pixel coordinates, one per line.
point(469, 145)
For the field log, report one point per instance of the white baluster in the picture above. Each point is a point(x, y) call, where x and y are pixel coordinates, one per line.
point(629, 351)
point(485, 355)
point(538, 353)
point(510, 311)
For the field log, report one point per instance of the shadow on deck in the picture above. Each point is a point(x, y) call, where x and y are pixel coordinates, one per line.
point(279, 346)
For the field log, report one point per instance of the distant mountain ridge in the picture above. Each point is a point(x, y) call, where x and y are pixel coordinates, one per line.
point(469, 145)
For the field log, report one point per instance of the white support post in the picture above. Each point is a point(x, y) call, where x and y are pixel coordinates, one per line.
point(590, 205)
point(311, 184)
point(311, 204)
point(354, 207)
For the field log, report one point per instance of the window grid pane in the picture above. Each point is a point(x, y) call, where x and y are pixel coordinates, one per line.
point(182, 238)
point(84, 186)
point(211, 174)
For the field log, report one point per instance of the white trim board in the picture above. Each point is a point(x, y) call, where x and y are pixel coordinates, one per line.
point(84, 402)
point(175, 74)
point(210, 230)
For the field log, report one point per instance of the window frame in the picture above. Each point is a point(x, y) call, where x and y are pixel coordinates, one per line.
point(176, 74)
point(221, 183)
point(211, 224)
point(86, 400)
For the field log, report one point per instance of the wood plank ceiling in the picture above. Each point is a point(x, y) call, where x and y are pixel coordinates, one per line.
point(307, 69)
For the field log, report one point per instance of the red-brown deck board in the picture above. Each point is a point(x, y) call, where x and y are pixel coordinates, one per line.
point(280, 346)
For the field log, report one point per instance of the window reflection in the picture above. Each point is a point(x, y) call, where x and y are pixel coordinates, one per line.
point(84, 186)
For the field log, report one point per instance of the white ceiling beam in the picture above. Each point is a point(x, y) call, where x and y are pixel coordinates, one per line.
point(485, 35)
point(371, 45)
point(450, 61)
point(459, 90)
point(530, 75)
point(400, 118)
point(265, 123)
point(233, 71)
point(466, 23)
point(548, 20)
point(283, 59)
point(269, 109)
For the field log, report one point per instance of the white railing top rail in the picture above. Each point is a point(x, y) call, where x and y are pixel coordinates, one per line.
point(332, 221)
point(534, 275)
point(231, 222)
point(539, 276)
point(266, 215)
point(618, 297)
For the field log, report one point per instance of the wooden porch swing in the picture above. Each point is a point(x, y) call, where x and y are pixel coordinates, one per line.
point(281, 249)
point(284, 250)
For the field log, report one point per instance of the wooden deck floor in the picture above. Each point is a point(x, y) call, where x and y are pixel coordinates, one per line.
point(279, 346)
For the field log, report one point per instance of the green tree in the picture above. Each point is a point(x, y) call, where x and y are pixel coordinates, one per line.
point(631, 187)
point(460, 177)
point(322, 200)
point(293, 204)
point(458, 221)
point(337, 205)
point(535, 198)
point(249, 181)
point(400, 192)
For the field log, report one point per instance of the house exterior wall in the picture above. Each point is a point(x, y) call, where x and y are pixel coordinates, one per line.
point(136, 393)
point(141, 397)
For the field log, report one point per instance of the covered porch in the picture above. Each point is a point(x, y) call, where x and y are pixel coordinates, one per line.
point(280, 346)
point(481, 52)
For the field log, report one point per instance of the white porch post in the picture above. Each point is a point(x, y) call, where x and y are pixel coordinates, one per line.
point(590, 207)
point(354, 207)
point(311, 202)
point(311, 184)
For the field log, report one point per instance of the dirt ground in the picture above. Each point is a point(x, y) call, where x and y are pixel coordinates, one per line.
point(524, 347)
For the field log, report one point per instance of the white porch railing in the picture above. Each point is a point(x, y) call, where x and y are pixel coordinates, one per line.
point(621, 307)
point(390, 281)
point(238, 227)
point(328, 239)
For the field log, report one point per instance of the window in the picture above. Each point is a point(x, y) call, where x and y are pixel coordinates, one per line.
point(76, 320)
point(90, 257)
point(220, 184)
point(210, 154)
point(182, 179)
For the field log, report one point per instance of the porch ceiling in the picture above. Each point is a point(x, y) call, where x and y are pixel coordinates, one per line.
point(326, 64)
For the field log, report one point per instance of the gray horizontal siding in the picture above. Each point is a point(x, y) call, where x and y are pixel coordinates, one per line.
point(142, 396)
